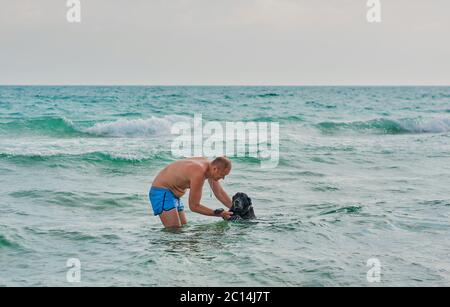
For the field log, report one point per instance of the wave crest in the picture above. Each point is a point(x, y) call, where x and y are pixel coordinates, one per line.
point(53, 126)
point(88, 157)
point(389, 126)
point(63, 127)
point(135, 127)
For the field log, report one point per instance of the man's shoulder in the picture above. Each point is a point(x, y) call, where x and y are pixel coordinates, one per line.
point(196, 170)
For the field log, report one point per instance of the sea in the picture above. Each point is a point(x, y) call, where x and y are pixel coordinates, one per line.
point(359, 196)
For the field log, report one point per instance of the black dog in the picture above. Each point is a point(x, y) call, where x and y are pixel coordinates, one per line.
point(242, 208)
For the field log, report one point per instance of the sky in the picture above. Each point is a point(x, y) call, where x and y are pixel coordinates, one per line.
point(224, 42)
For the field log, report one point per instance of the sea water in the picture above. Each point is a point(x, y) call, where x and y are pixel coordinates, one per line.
point(363, 174)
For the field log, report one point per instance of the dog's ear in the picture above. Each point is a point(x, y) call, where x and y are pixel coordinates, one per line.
point(249, 200)
point(251, 213)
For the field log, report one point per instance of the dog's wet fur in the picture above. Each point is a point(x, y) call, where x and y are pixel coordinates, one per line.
point(242, 208)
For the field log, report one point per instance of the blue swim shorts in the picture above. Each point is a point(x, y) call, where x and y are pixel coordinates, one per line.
point(163, 199)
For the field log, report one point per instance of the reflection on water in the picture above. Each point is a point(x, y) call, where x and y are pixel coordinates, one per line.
point(192, 239)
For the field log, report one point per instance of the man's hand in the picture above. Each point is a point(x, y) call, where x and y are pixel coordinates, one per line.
point(223, 214)
point(226, 215)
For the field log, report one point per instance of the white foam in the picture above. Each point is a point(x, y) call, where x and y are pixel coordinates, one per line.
point(136, 127)
point(426, 126)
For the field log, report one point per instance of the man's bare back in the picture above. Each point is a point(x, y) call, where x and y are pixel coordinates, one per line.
point(172, 182)
point(177, 176)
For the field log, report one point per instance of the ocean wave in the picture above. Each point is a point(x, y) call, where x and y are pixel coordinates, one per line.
point(6, 243)
point(246, 160)
point(263, 95)
point(345, 210)
point(270, 119)
point(136, 127)
point(319, 105)
point(80, 199)
point(58, 159)
point(268, 95)
point(63, 127)
point(90, 157)
point(71, 235)
point(53, 126)
point(389, 126)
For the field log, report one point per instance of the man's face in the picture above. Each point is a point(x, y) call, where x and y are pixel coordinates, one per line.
point(218, 173)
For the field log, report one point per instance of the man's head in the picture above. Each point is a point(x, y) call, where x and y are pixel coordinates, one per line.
point(220, 167)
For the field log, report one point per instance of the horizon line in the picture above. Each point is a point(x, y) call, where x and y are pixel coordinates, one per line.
point(230, 85)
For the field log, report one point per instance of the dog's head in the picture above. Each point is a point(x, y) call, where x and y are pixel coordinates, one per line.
point(242, 206)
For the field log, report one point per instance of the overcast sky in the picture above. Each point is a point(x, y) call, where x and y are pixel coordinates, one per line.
point(226, 42)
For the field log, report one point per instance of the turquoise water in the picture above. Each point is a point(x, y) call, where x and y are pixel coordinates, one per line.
point(363, 173)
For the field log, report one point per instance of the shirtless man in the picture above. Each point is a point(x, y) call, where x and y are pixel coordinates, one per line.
point(173, 181)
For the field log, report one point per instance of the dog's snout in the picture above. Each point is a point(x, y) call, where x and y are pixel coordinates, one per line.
point(237, 203)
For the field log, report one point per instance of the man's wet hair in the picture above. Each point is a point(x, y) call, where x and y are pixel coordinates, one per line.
point(222, 162)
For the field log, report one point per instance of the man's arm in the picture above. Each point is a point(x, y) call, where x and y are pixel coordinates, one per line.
point(220, 193)
point(195, 195)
